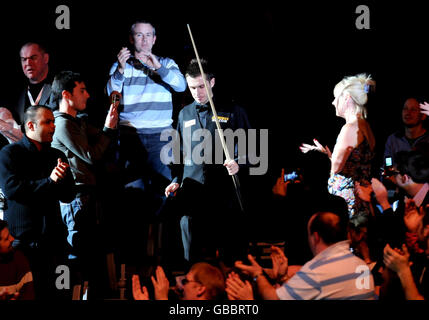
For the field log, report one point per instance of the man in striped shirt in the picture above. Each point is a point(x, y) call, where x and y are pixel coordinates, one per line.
point(146, 82)
point(334, 273)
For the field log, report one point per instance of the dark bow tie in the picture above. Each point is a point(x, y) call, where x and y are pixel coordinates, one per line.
point(202, 107)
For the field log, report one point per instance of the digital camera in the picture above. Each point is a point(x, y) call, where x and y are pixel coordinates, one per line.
point(389, 170)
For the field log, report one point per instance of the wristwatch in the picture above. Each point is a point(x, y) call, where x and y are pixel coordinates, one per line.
point(262, 273)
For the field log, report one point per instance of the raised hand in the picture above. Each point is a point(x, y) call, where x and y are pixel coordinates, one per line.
point(280, 188)
point(236, 289)
point(60, 171)
point(149, 58)
point(112, 116)
point(363, 192)
point(8, 126)
point(280, 263)
point(317, 147)
point(413, 216)
point(424, 108)
point(395, 259)
point(380, 192)
point(161, 284)
point(6, 295)
point(123, 56)
point(253, 269)
point(139, 293)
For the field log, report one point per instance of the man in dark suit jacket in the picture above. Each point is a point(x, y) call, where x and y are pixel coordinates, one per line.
point(34, 177)
point(36, 88)
point(37, 91)
point(210, 205)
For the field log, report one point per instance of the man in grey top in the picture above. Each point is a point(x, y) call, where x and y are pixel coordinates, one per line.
point(83, 145)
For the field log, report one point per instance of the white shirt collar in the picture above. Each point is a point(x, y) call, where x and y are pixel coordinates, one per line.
point(420, 196)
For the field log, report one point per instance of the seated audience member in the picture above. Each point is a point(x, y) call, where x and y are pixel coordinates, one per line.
point(203, 282)
point(394, 228)
point(333, 273)
point(411, 174)
point(358, 235)
point(16, 279)
point(413, 278)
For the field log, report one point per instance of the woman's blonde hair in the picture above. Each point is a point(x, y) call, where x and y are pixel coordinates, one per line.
point(357, 87)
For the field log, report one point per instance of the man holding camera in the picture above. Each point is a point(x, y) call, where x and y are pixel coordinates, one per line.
point(147, 83)
point(411, 175)
point(84, 146)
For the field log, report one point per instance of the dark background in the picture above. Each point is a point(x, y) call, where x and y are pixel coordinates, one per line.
point(280, 60)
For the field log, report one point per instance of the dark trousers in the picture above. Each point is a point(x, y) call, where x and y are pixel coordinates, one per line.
point(213, 226)
point(144, 178)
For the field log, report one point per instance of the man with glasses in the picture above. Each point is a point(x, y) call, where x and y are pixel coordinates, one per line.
point(393, 225)
point(203, 282)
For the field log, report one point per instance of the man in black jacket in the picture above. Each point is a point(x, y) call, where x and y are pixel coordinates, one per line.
point(34, 178)
point(207, 192)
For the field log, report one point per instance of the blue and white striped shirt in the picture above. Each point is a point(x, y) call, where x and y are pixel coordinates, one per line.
point(333, 274)
point(147, 99)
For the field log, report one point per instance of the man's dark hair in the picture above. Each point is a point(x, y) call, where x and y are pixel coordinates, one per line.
point(414, 164)
point(65, 80)
point(3, 224)
point(30, 114)
point(41, 46)
point(193, 69)
point(331, 227)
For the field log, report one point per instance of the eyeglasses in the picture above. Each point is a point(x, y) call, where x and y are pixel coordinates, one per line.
point(184, 281)
point(395, 172)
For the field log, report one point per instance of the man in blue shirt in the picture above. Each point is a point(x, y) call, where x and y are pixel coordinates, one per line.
point(414, 135)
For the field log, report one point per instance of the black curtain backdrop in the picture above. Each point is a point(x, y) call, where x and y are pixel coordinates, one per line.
point(279, 59)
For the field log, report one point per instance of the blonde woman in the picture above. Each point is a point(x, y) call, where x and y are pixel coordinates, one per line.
point(354, 149)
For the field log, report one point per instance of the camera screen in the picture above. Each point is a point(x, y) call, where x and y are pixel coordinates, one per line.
point(291, 176)
point(388, 162)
